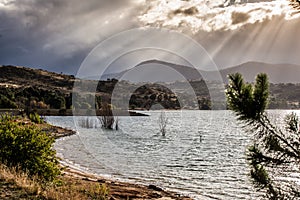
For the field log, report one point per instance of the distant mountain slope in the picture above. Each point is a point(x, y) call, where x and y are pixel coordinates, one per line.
point(278, 73)
point(21, 77)
point(156, 71)
point(21, 87)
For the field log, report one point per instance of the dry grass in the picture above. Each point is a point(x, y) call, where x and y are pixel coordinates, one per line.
point(77, 189)
point(20, 185)
point(20, 179)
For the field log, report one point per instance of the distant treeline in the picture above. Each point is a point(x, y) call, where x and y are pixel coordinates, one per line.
point(283, 96)
point(35, 89)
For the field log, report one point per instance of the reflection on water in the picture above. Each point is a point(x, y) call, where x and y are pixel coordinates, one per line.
point(202, 154)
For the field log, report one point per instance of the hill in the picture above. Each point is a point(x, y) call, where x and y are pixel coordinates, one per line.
point(51, 93)
point(16, 76)
point(278, 73)
point(24, 88)
point(156, 70)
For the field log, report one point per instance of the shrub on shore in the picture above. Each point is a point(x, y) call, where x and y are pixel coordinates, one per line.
point(29, 168)
point(36, 118)
point(28, 148)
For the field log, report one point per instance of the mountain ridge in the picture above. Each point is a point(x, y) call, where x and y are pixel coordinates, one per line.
point(278, 73)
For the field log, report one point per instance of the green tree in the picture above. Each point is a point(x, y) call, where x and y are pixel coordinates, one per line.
point(275, 153)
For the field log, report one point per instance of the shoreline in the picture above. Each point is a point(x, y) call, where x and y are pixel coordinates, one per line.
point(118, 189)
point(122, 189)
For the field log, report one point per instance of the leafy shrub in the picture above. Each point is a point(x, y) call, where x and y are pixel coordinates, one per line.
point(28, 148)
point(34, 117)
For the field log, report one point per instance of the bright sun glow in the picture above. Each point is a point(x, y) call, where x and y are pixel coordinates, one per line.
point(6, 4)
point(212, 15)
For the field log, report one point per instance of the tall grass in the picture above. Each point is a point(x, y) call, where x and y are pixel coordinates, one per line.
point(66, 188)
point(20, 179)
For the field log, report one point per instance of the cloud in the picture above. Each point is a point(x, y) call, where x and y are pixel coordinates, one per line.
point(58, 34)
point(239, 17)
point(272, 41)
point(213, 15)
point(235, 31)
point(58, 29)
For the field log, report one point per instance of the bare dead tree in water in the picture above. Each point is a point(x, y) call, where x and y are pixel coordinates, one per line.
point(107, 118)
point(163, 121)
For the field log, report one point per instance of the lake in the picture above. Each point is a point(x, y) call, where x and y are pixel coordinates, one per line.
point(202, 154)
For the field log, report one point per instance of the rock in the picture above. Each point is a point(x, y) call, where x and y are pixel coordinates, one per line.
point(101, 181)
point(153, 187)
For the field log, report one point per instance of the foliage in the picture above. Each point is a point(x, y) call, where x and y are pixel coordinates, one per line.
point(34, 117)
point(249, 103)
point(99, 192)
point(275, 151)
point(27, 147)
point(34, 97)
point(283, 96)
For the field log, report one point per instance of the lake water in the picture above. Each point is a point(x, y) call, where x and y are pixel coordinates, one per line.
point(202, 154)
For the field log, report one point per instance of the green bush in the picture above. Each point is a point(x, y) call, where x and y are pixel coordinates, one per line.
point(28, 148)
point(34, 117)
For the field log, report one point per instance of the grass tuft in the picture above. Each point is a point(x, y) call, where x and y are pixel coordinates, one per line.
point(21, 185)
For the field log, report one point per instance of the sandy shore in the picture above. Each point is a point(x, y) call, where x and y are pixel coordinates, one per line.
point(122, 190)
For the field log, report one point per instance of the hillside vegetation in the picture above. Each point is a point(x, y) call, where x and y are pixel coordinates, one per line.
point(35, 89)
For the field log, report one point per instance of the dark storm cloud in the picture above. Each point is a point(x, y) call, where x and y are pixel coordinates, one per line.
point(238, 17)
point(58, 33)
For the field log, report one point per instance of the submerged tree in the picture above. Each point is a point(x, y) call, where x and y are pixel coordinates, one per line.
point(107, 118)
point(162, 122)
point(274, 155)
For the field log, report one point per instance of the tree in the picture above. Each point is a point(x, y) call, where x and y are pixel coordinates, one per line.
point(107, 118)
point(275, 153)
point(162, 122)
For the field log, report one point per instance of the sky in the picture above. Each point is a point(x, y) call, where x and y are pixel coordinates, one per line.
point(58, 35)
